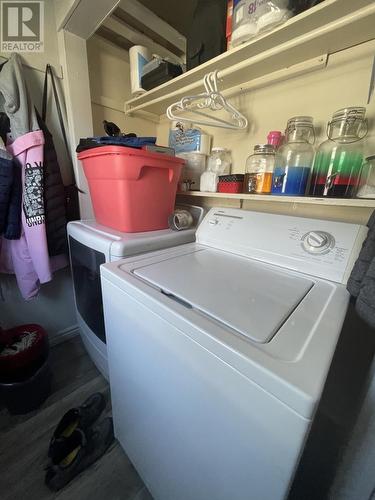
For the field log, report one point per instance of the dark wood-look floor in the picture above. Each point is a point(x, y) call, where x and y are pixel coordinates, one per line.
point(24, 439)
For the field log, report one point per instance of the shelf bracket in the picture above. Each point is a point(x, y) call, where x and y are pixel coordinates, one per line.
point(146, 115)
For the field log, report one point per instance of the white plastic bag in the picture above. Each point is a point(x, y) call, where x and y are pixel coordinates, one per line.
point(251, 17)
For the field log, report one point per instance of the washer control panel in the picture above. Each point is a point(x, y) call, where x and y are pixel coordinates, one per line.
point(318, 242)
point(326, 249)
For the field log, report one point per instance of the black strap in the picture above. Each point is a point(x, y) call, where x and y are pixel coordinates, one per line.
point(58, 107)
point(60, 115)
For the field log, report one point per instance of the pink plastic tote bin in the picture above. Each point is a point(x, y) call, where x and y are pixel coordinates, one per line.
point(131, 189)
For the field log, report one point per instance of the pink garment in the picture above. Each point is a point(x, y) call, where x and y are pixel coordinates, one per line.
point(28, 257)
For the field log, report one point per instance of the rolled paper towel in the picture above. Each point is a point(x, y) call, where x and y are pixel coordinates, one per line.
point(139, 56)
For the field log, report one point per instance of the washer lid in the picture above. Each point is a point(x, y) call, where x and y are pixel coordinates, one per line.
point(245, 295)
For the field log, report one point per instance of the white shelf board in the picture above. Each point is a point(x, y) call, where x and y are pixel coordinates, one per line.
point(337, 202)
point(329, 27)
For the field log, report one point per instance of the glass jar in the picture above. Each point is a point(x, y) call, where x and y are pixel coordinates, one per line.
point(259, 170)
point(366, 188)
point(191, 173)
point(220, 161)
point(295, 158)
point(338, 162)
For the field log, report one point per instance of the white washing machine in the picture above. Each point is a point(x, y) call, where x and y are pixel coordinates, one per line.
point(219, 351)
point(91, 245)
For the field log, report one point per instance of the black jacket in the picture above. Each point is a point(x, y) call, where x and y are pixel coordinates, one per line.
point(10, 189)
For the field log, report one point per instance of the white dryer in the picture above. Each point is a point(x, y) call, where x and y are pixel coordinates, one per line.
point(91, 245)
point(219, 351)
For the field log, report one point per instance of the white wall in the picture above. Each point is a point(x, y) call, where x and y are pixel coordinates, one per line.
point(110, 87)
point(344, 82)
point(53, 308)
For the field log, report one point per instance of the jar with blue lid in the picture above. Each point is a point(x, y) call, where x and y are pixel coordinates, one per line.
point(295, 158)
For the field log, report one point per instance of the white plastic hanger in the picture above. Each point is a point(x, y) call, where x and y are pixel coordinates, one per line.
point(212, 100)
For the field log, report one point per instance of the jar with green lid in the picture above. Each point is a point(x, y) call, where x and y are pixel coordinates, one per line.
point(259, 170)
point(338, 162)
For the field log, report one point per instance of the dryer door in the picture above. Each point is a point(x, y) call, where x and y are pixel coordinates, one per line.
point(85, 262)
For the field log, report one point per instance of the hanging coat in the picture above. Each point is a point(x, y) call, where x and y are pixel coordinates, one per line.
point(28, 256)
point(6, 183)
point(10, 195)
point(10, 188)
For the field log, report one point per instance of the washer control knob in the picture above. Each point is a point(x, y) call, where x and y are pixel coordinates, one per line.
point(318, 242)
point(213, 222)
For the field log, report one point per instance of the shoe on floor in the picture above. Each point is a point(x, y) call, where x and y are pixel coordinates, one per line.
point(82, 417)
point(79, 451)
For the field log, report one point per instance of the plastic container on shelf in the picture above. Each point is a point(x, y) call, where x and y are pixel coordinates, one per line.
point(132, 190)
point(230, 183)
point(220, 161)
point(208, 182)
point(259, 170)
point(338, 162)
point(251, 17)
point(195, 165)
point(294, 159)
point(366, 188)
point(159, 71)
point(184, 138)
